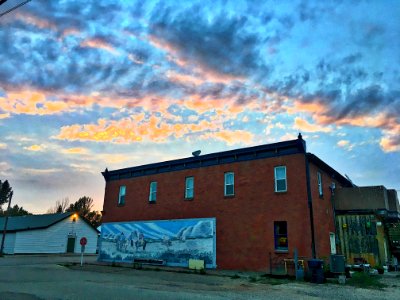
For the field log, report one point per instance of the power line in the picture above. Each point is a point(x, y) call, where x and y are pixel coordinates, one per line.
point(14, 8)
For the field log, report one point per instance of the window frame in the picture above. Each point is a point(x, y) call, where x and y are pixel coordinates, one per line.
point(153, 192)
point(276, 179)
point(226, 184)
point(188, 188)
point(121, 195)
point(320, 185)
point(278, 236)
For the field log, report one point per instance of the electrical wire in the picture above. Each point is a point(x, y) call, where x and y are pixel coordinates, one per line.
point(14, 8)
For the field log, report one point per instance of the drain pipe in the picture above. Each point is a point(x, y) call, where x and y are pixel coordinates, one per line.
point(303, 147)
point(310, 207)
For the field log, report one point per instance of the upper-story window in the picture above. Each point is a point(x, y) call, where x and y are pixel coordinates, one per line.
point(189, 187)
point(280, 179)
point(229, 189)
point(153, 191)
point(320, 190)
point(121, 197)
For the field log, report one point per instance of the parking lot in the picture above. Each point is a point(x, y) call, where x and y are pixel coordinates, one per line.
point(61, 277)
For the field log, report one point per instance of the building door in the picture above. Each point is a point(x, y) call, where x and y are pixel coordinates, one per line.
point(71, 244)
point(333, 242)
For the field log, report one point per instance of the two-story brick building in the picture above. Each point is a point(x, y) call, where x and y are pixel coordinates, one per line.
point(256, 205)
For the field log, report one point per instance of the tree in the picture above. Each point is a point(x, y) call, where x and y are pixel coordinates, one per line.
point(60, 206)
point(5, 192)
point(16, 211)
point(84, 208)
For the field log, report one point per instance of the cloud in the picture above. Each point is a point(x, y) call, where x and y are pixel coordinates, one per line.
point(303, 125)
point(75, 151)
point(231, 137)
point(35, 148)
point(99, 43)
point(343, 143)
point(220, 43)
point(3, 146)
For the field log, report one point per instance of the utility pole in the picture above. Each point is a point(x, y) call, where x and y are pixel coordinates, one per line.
point(5, 224)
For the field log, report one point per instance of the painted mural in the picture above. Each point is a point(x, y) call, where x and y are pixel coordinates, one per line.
point(172, 241)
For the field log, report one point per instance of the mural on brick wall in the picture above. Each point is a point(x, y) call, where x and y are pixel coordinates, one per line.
point(172, 241)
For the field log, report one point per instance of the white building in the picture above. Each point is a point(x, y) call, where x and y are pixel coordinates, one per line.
point(49, 233)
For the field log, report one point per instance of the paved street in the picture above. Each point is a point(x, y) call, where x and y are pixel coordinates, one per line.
point(41, 277)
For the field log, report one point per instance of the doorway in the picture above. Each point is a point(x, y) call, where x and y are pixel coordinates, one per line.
point(71, 244)
point(332, 242)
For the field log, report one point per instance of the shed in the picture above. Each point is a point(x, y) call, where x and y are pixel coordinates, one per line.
point(48, 233)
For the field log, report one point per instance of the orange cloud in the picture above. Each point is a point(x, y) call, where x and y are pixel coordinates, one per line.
point(155, 129)
point(343, 143)
point(231, 137)
point(100, 44)
point(35, 148)
point(35, 21)
point(75, 151)
point(304, 126)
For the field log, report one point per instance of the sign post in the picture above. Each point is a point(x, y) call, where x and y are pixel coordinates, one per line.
point(83, 243)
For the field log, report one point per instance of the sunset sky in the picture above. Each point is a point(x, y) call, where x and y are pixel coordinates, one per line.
point(86, 85)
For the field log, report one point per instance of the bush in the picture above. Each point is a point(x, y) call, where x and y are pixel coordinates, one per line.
point(363, 280)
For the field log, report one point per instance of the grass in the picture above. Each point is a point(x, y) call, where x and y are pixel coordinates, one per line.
point(363, 280)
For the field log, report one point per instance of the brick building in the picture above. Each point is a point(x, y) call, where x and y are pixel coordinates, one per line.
point(266, 201)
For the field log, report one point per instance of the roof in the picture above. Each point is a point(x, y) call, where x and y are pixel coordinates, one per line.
point(237, 155)
point(219, 158)
point(30, 222)
point(328, 169)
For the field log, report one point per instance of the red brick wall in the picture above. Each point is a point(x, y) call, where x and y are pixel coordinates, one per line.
point(322, 210)
point(244, 223)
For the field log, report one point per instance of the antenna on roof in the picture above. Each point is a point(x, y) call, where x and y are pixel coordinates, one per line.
point(351, 181)
point(196, 153)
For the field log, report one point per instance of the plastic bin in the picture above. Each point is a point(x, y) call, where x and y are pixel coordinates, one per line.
point(315, 266)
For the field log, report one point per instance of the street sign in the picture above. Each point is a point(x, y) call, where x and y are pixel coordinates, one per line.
point(83, 241)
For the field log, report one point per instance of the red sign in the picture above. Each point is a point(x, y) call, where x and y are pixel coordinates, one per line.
point(83, 241)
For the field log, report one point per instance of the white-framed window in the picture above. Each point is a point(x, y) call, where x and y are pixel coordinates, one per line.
point(280, 179)
point(189, 188)
point(319, 178)
point(121, 196)
point(153, 191)
point(229, 189)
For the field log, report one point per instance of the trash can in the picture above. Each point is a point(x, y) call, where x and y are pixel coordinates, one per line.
point(315, 266)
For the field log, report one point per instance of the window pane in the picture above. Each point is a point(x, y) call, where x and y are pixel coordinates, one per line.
point(229, 190)
point(189, 193)
point(121, 196)
point(122, 190)
point(153, 191)
point(229, 178)
point(281, 185)
point(189, 182)
point(280, 172)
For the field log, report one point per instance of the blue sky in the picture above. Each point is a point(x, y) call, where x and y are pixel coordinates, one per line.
point(86, 85)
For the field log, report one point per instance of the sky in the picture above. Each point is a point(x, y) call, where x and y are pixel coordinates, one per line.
point(89, 85)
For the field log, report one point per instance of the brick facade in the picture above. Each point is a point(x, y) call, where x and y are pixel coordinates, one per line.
point(245, 221)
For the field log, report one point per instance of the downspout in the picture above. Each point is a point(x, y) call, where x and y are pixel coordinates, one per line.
point(309, 197)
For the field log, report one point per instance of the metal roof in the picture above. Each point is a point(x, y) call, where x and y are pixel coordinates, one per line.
point(30, 222)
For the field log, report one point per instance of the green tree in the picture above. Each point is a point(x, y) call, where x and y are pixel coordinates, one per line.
point(5, 192)
point(16, 211)
point(84, 207)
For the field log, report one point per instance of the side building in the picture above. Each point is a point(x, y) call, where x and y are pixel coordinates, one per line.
point(368, 224)
point(243, 209)
point(48, 233)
